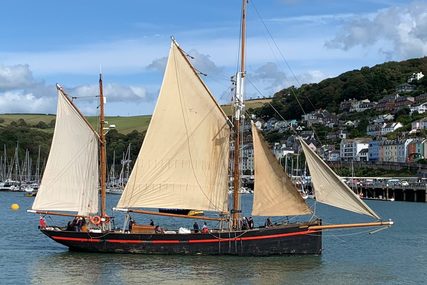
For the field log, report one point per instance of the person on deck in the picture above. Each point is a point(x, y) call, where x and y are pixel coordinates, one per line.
point(74, 224)
point(196, 227)
point(205, 228)
point(42, 223)
point(250, 223)
point(268, 223)
point(80, 223)
point(158, 230)
point(131, 223)
point(151, 223)
point(245, 224)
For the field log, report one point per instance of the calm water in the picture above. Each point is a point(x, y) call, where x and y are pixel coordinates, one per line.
point(394, 256)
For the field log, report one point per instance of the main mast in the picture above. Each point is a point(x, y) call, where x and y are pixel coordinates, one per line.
point(102, 149)
point(238, 109)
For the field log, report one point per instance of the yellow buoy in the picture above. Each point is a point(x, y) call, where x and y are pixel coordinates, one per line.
point(14, 207)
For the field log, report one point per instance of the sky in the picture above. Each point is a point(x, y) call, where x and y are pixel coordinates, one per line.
point(289, 42)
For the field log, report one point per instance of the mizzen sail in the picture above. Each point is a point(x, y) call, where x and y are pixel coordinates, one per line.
point(70, 180)
point(328, 187)
point(183, 162)
point(274, 193)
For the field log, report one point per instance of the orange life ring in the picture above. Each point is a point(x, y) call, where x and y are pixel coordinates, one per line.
point(96, 220)
point(106, 219)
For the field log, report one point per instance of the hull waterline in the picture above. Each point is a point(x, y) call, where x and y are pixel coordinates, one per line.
point(278, 240)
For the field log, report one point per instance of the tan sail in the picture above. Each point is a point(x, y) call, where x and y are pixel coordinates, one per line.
point(328, 187)
point(183, 162)
point(274, 193)
point(70, 180)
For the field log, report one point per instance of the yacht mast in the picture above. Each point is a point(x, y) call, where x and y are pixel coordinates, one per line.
point(238, 108)
point(102, 163)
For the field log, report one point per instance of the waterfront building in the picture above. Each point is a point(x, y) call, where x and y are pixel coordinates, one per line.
point(416, 149)
point(388, 151)
point(402, 149)
point(350, 148)
point(374, 150)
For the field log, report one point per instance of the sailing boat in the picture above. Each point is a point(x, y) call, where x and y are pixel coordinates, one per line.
point(192, 172)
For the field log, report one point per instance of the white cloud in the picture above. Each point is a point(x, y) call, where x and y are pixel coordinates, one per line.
point(18, 101)
point(158, 65)
point(204, 63)
point(270, 76)
point(15, 76)
point(401, 31)
point(113, 92)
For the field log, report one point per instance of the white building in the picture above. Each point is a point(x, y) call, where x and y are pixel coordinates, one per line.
point(402, 150)
point(350, 148)
point(419, 125)
point(415, 77)
point(390, 127)
point(420, 109)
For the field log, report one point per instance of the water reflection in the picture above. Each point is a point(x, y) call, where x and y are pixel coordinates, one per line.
point(84, 268)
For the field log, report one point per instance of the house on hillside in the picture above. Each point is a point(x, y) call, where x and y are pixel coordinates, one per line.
point(383, 118)
point(405, 88)
point(387, 103)
point(390, 127)
point(420, 109)
point(419, 125)
point(322, 117)
point(421, 98)
point(404, 101)
point(374, 130)
point(415, 76)
point(346, 105)
point(383, 129)
point(334, 155)
point(362, 105)
point(350, 124)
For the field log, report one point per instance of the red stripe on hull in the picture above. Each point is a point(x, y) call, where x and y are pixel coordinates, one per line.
point(251, 238)
point(189, 241)
point(76, 239)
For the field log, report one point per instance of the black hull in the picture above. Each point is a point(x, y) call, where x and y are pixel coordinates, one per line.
point(278, 240)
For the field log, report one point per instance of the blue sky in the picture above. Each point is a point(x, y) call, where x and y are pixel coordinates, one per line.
point(66, 42)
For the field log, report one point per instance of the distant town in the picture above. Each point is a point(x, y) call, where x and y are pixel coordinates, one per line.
point(391, 131)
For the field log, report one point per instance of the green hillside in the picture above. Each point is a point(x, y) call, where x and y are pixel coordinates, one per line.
point(123, 125)
point(371, 83)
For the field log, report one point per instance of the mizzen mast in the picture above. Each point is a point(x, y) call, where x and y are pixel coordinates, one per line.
point(238, 110)
point(102, 149)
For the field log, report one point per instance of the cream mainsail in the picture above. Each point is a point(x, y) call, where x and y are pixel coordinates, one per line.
point(328, 187)
point(70, 180)
point(274, 193)
point(183, 162)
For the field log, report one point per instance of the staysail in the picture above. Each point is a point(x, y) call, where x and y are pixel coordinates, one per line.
point(274, 193)
point(70, 180)
point(328, 187)
point(183, 162)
